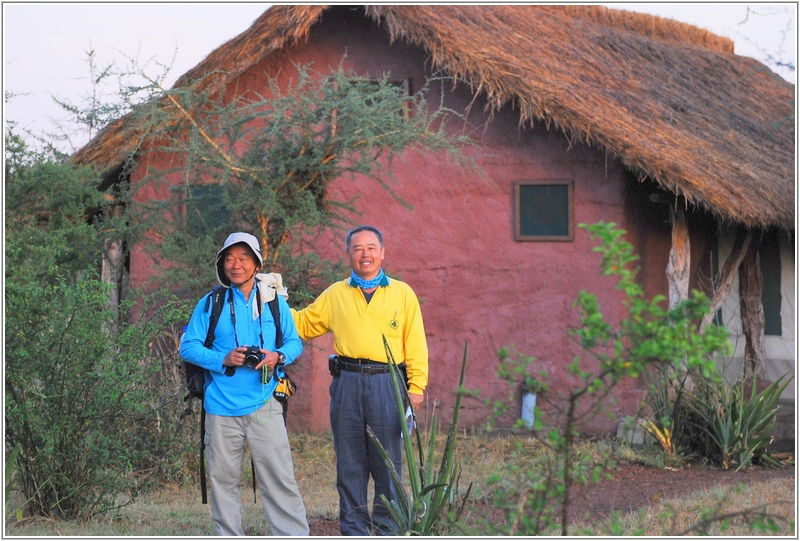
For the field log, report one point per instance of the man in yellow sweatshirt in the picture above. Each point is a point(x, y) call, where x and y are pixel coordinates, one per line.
point(360, 311)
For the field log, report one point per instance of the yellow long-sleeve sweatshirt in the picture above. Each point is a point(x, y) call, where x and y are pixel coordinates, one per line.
point(358, 326)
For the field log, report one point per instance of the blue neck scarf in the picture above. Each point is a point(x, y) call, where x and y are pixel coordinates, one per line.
point(366, 284)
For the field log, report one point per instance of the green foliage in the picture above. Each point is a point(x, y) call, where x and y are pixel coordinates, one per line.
point(47, 231)
point(264, 164)
point(665, 397)
point(77, 399)
point(726, 425)
point(76, 396)
point(433, 505)
point(711, 419)
point(10, 468)
point(648, 336)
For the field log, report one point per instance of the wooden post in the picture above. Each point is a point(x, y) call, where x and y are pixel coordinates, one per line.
point(723, 286)
point(679, 257)
point(111, 266)
point(751, 284)
point(678, 265)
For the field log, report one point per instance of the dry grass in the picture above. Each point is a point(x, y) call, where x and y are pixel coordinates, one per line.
point(177, 511)
point(315, 471)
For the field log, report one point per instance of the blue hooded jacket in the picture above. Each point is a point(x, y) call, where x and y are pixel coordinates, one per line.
point(243, 393)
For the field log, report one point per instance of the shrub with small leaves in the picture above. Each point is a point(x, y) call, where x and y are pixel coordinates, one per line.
point(649, 335)
point(77, 385)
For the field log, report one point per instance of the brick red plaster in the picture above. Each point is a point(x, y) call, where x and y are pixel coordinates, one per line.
point(456, 248)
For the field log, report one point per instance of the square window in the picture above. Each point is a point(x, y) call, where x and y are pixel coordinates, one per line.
point(543, 210)
point(204, 207)
point(402, 85)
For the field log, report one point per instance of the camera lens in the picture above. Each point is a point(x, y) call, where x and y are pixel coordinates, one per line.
point(252, 357)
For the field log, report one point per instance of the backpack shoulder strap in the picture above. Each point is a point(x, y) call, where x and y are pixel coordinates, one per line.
point(216, 299)
point(276, 315)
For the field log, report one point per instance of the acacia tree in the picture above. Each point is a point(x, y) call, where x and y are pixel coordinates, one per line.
point(263, 164)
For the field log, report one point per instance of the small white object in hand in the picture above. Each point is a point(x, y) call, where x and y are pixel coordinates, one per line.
point(409, 421)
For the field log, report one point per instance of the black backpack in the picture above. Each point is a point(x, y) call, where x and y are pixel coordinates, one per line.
point(196, 375)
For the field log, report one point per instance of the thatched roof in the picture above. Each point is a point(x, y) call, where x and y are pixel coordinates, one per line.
point(669, 100)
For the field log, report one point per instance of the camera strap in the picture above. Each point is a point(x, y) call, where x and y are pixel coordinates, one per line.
point(229, 370)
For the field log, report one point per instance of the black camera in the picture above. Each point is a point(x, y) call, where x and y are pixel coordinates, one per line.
point(252, 356)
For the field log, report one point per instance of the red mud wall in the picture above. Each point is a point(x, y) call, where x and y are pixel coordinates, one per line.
point(456, 247)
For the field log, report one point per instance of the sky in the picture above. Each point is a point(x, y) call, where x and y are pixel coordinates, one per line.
point(45, 45)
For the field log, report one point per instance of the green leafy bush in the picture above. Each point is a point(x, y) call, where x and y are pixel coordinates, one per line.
point(649, 337)
point(77, 399)
point(78, 376)
point(702, 416)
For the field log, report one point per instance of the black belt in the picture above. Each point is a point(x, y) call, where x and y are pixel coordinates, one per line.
point(358, 360)
point(362, 366)
point(365, 366)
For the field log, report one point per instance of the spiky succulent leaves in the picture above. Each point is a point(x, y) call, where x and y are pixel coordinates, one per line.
point(399, 395)
point(757, 419)
point(739, 427)
point(431, 507)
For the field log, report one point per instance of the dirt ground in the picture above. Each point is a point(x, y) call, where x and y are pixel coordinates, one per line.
point(632, 486)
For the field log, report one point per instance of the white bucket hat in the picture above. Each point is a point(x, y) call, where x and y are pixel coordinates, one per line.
point(236, 238)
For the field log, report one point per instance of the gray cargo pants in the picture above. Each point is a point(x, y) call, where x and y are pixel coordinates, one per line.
point(265, 435)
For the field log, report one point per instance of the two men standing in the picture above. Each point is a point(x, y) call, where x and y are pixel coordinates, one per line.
point(360, 311)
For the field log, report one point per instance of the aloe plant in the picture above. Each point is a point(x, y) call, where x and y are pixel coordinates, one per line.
point(666, 390)
point(739, 427)
point(432, 506)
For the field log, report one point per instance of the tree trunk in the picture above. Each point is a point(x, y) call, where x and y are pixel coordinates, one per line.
point(723, 286)
point(679, 257)
point(263, 227)
point(111, 266)
point(751, 284)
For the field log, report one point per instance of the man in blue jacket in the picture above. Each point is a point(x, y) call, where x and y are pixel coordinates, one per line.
point(238, 401)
